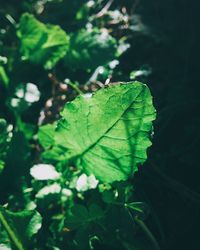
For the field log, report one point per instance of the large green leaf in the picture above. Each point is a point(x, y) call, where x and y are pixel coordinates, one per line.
point(40, 43)
point(20, 226)
point(90, 49)
point(107, 134)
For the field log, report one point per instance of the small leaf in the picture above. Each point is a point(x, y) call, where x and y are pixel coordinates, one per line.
point(139, 209)
point(90, 49)
point(81, 216)
point(28, 222)
point(108, 196)
point(46, 135)
point(95, 211)
point(40, 43)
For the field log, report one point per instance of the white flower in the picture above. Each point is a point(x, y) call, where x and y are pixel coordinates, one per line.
point(44, 172)
point(81, 184)
point(50, 189)
point(92, 181)
point(85, 183)
point(30, 93)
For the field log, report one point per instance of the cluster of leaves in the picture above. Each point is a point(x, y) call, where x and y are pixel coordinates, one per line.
point(73, 163)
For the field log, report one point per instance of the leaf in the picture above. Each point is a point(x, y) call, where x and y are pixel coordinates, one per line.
point(40, 43)
point(46, 135)
point(3, 143)
point(108, 134)
point(28, 222)
point(26, 128)
point(81, 216)
point(109, 196)
point(90, 49)
point(3, 77)
point(140, 209)
point(18, 161)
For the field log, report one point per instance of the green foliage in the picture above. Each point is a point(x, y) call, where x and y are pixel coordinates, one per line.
point(40, 43)
point(28, 222)
point(46, 135)
point(107, 142)
point(80, 216)
point(78, 129)
point(89, 49)
point(3, 76)
point(4, 141)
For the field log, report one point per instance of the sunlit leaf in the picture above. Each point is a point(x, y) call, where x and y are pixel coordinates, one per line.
point(41, 43)
point(108, 134)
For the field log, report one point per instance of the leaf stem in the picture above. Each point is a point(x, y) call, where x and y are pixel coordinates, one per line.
point(75, 88)
point(10, 232)
point(144, 227)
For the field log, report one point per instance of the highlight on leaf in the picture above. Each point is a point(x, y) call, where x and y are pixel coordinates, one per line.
point(41, 43)
point(106, 135)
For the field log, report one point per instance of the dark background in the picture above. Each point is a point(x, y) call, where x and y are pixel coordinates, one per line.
point(173, 53)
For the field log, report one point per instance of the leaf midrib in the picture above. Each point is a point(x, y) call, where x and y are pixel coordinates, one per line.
point(94, 143)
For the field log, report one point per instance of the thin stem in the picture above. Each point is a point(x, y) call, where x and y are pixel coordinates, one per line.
point(105, 9)
point(148, 233)
point(145, 229)
point(10, 232)
point(10, 19)
point(75, 88)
